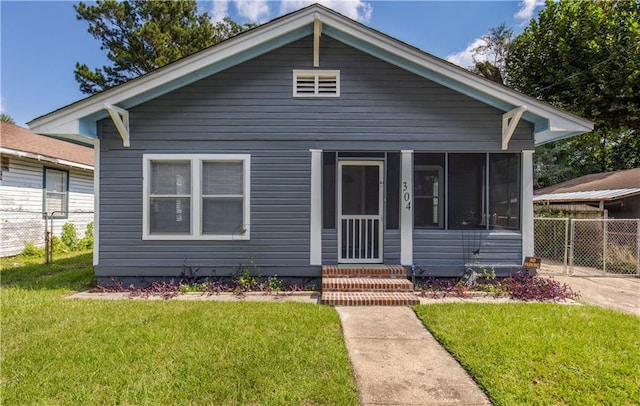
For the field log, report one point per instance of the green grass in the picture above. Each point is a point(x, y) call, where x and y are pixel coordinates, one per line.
point(543, 354)
point(61, 351)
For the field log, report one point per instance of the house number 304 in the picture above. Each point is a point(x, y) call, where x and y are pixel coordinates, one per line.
point(406, 195)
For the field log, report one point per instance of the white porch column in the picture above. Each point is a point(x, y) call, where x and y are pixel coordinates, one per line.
point(315, 240)
point(527, 204)
point(406, 208)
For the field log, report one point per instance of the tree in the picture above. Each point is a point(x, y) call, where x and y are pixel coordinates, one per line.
point(5, 118)
point(141, 36)
point(584, 56)
point(490, 58)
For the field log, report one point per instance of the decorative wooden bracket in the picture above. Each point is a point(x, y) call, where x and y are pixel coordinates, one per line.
point(510, 121)
point(317, 31)
point(120, 119)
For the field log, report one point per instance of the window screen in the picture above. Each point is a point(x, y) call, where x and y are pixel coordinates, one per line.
point(222, 198)
point(170, 197)
point(504, 193)
point(467, 179)
point(393, 191)
point(428, 190)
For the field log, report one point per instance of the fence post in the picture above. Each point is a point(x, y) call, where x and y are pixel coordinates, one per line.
point(566, 244)
point(605, 232)
point(638, 247)
point(572, 237)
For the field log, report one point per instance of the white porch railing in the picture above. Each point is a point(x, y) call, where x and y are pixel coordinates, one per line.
point(360, 238)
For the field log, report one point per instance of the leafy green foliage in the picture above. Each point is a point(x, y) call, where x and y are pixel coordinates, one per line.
point(491, 57)
point(583, 56)
point(86, 242)
point(5, 118)
point(69, 236)
point(141, 36)
point(31, 250)
point(542, 353)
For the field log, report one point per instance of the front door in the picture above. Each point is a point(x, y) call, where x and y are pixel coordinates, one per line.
point(360, 208)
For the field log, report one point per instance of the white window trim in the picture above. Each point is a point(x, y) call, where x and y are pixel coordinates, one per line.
point(315, 73)
point(196, 195)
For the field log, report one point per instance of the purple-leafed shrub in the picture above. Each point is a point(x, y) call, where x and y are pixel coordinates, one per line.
point(520, 286)
point(438, 288)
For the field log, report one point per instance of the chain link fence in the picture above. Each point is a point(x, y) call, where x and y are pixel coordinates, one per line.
point(20, 230)
point(589, 246)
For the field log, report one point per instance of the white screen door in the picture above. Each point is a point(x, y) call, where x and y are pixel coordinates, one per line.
point(360, 208)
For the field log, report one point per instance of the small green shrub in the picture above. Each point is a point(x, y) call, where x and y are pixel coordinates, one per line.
point(31, 250)
point(69, 236)
point(59, 247)
point(86, 242)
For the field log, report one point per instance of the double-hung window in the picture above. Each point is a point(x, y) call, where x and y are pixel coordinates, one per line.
point(56, 197)
point(200, 196)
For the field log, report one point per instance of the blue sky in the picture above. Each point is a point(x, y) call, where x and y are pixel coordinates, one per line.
point(40, 41)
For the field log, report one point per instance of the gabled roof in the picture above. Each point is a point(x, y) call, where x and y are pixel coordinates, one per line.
point(595, 187)
point(77, 121)
point(19, 141)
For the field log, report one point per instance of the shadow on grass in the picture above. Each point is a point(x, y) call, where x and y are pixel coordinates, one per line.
point(73, 272)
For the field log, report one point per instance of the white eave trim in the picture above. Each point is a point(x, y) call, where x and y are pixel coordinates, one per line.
point(120, 119)
point(66, 120)
point(39, 157)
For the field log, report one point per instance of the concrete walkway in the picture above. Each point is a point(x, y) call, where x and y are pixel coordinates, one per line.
point(397, 361)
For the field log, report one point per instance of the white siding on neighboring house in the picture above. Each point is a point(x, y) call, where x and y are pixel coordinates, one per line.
point(21, 203)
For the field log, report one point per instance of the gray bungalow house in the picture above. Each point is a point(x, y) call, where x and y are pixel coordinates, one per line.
point(310, 140)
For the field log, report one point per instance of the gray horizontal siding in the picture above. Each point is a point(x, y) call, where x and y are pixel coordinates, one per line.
point(250, 109)
point(451, 251)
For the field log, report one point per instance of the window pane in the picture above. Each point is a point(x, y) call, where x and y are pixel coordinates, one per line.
point(504, 190)
point(222, 178)
point(56, 191)
point(170, 215)
point(56, 181)
point(428, 188)
point(223, 216)
point(170, 178)
point(467, 174)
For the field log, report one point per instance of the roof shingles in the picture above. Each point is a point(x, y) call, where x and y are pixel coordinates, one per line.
point(21, 139)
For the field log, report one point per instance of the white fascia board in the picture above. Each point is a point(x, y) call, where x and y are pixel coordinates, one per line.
point(45, 158)
point(66, 120)
point(557, 118)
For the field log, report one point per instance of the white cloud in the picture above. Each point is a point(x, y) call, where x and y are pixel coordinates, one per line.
point(356, 9)
point(527, 8)
point(465, 58)
point(256, 11)
point(219, 11)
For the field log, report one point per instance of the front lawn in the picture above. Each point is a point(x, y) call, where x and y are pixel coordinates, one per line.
point(542, 354)
point(60, 351)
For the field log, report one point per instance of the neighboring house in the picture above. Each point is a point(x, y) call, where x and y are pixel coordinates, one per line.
point(609, 194)
point(40, 175)
point(311, 140)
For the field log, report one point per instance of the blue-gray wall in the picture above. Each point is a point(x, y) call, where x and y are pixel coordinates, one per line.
point(250, 109)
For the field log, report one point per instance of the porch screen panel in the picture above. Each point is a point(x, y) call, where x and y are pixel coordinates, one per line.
point(222, 198)
point(428, 190)
point(504, 191)
point(329, 190)
point(393, 191)
point(170, 197)
point(467, 179)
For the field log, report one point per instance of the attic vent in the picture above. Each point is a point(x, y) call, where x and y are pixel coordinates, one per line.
point(316, 83)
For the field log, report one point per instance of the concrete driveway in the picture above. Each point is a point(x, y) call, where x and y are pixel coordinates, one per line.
point(618, 293)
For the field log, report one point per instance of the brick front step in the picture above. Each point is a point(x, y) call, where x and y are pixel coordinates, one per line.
point(366, 285)
point(360, 271)
point(369, 299)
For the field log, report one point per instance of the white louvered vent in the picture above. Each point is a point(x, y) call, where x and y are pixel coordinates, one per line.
point(316, 83)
